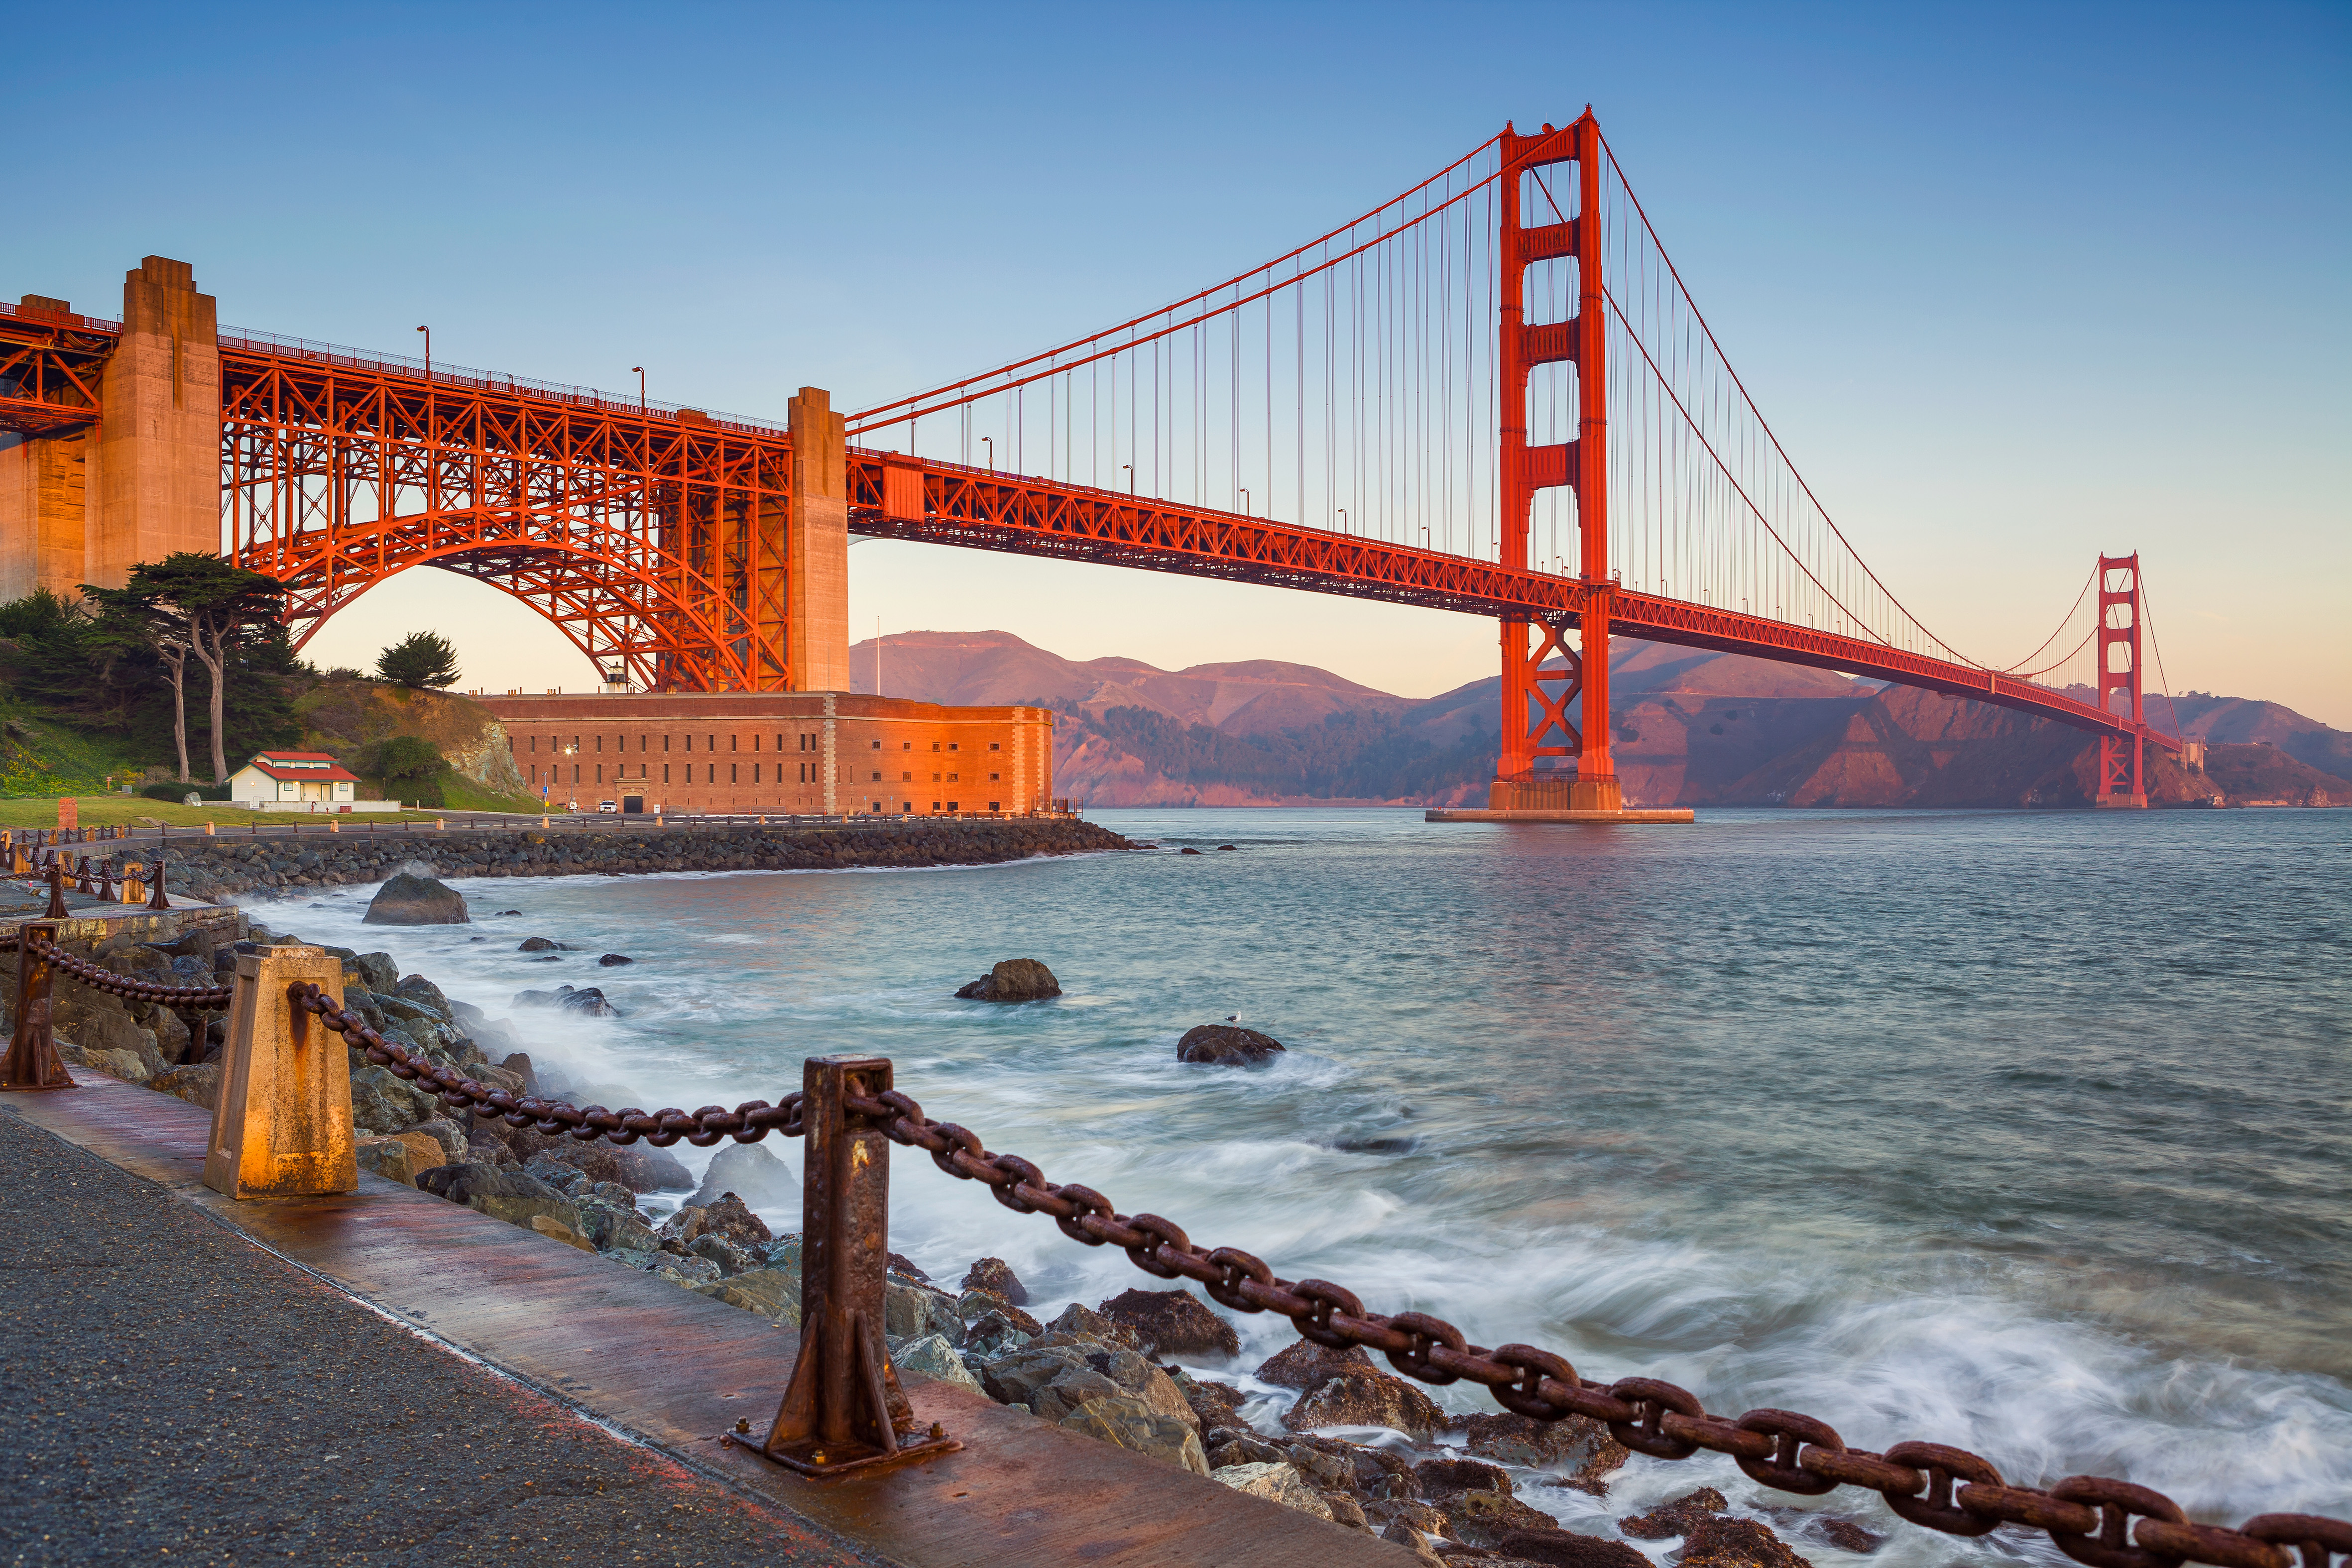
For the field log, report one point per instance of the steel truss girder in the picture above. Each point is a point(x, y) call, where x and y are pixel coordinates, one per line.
point(652, 539)
point(982, 509)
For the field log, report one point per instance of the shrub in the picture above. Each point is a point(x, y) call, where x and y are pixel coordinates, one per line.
point(421, 659)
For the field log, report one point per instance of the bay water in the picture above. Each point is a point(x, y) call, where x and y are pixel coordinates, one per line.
point(2025, 1132)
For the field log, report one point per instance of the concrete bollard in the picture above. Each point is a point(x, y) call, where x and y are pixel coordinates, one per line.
point(282, 1125)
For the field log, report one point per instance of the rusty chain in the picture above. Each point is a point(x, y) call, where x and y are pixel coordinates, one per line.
point(747, 1123)
point(100, 979)
point(2089, 1518)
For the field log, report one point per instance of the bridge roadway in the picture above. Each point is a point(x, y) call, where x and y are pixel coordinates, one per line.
point(387, 1378)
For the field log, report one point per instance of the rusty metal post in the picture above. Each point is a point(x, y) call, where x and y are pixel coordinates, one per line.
point(155, 899)
point(845, 1410)
point(32, 1060)
point(56, 909)
point(283, 1124)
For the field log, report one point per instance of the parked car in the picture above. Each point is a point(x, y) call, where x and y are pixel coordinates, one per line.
point(608, 805)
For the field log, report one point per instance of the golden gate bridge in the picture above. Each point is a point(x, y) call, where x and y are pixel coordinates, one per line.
point(1492, 395)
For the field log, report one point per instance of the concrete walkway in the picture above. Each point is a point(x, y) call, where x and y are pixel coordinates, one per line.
point(170, 1392)
point(128, 1300)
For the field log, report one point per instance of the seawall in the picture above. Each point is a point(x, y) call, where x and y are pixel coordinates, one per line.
point(219, 868)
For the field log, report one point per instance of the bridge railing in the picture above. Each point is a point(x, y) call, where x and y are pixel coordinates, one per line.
point(277, 345)
point(282, 1127)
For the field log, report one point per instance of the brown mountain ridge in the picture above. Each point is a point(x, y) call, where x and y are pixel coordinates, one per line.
point(1693, 728)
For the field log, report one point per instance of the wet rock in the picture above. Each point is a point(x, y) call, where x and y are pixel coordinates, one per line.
point(770, 1292)
point(1014, 980)
point(933, 1357)
point(1577, 1445)
point(1085, 1322)
point(720, 1252)
point(407, 899)
point(1486, 1518)
point(1721, 1541)
point(385, 1157)
point(1410, 1512)
point(1129, 1423)
point(1346, 1511)
point(992, 1332)
point(899, 1263)
point(995, 1276)
point(615, 1227)
point(506, 1195)
point(594, 1162)
point(1372, 1474)
point(1277, 1482)
point(1232, 1445)
point(1225, 846)
point(1845, 1534)
point(541, 945)
point(376, 970)
point(1414, 1540)
point(645, 1169)
point(727, 1218)
point(106, 1030)
point(912, 1312)
point(384, 1104)
point(1309, 1366)
point(555, 1230)
point(1675, 1516)
point(1188, 849)
point(1367, 1399)
point(1226, 1045)
point(1559, 1548)
point(975, 1305)
point(614, 960)
point(1441, 1478)
point(1173, 1323)
point(198, 1084)
point(1214, 1404)
point(753, 1173)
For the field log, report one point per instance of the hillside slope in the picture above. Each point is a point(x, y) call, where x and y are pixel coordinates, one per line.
point(1693, 727)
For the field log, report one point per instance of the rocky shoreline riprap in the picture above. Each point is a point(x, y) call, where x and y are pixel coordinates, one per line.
point(1452, 1488)
point(228, 864)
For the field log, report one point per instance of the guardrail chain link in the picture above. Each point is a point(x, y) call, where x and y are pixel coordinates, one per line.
point(100, 979)
point(746, 1123)
point(2101, 1523)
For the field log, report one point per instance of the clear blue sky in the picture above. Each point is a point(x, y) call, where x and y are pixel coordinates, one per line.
point(2015, 284)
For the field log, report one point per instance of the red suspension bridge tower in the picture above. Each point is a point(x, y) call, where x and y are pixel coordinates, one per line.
point(1536, 699)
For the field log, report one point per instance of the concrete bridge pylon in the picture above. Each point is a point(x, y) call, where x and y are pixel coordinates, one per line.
point(143, 480)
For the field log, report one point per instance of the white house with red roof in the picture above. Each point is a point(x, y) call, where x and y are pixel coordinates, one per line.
point(298, 781)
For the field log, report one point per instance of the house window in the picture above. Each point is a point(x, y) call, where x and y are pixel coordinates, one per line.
point(665, 748)
point(953, 807)
point(952, 777)
point(878, 779)
point(994, 747)
point(935, 745)
point(575, 773)
point(534, 743)
point(935, 778)
point(906, 778)
point(734, 772)
point(665, 766)
point(951, 745)
point(641, 742)
point(755, 767)
point(994, 806)
point(600, 743)
point(992, 778)
point(599, 773)
point(877, 745)
point(690, 743)
point(730, 743)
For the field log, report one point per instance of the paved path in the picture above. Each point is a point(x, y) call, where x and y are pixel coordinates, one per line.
point(171, 1392)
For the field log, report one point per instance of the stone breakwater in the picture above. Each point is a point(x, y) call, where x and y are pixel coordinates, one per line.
point(223, 867)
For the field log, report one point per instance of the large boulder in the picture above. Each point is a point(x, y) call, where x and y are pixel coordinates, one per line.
point(1277, 1481)
point(1367, 1399)
point(771, 1292)
point(1675, 1516)
point(1173, 1323)
point(408, 899)
point(1306, 1364)
point(932, 1356)
point(1106, 1391)
point(1577, 1445)
point(506, 1195)
point(1558, 1548)
point(198, 1084)
point(1719, 1540)
point(1014, 980)
point(753, 1172)
point(995, 1276)
point(1226, 1045)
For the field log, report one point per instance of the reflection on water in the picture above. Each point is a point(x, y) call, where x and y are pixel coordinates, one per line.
point(2018, 1131)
